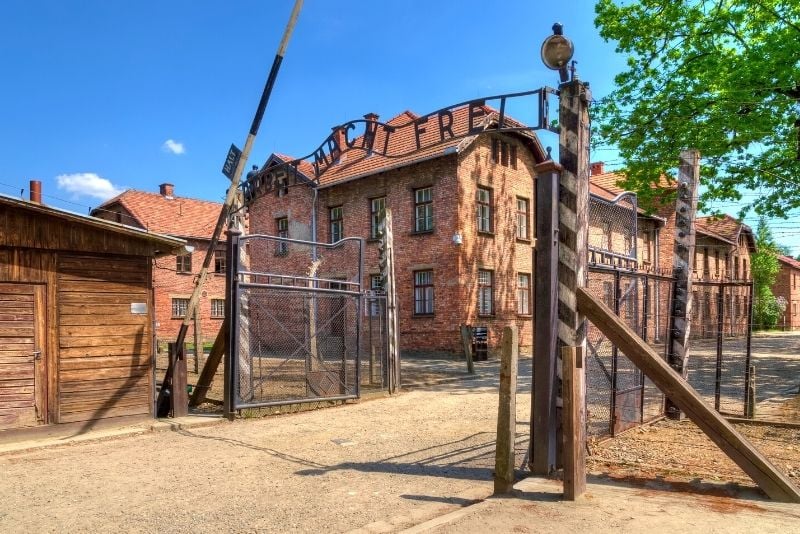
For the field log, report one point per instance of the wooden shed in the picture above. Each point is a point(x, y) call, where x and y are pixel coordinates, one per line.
point(76, 316)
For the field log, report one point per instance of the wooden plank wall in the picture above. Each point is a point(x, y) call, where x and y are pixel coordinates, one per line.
point(105, 351)
point(17, 380)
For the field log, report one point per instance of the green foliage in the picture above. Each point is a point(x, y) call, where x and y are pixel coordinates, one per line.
point(722, 77)
point(765, 267)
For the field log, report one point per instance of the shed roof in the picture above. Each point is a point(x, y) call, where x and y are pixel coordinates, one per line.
point(168, 244)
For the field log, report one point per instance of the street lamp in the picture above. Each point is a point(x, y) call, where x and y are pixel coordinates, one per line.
point(557, 50)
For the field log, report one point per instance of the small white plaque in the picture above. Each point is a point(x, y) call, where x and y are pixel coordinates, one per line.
point(139, 308)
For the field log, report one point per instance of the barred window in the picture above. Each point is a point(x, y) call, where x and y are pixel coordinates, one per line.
point(219, 261)
point(423, 209)
point(423, 292)
point(179, 307)
point(523, 216)
point(377, 207)
point(217, 308)
point(483, 199)
point(282, 225)
point(337, 224)
point(485, 292)
point(523, 293)
point(183, 263)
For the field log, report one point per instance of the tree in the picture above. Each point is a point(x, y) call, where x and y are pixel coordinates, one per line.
point(767, 310)
point(722, 77)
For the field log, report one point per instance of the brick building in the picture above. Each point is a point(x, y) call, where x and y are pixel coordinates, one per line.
point(173, 276)
point(462, 220)
point(787, 285)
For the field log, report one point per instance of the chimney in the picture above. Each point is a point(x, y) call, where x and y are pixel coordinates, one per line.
point(339, 139)
point(597, 167)
point(371, 117)
point(166, 190)
point(36, 191)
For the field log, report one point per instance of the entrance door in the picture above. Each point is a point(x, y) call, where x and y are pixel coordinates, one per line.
point(22, 362)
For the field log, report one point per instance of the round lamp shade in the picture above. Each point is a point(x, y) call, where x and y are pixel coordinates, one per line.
point(557, 50)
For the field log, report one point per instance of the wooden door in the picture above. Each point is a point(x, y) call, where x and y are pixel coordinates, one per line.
point(23, 380)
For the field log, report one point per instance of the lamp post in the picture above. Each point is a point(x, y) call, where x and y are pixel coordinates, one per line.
point(566, 325)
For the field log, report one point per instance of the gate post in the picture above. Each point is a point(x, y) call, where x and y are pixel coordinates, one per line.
point(543, 423)
point(686, 209)
point(386, 261)
point(231, 313)
point(573, 224)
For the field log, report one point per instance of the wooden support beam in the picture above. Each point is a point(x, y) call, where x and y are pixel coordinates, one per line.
point(774, 483)
point(543, 444)
point(179, 401)
point(210, 367)
point(504, 459)
point(682, 262)
point(574, 422)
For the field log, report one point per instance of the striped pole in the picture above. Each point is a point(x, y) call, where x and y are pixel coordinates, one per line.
point(573, 226)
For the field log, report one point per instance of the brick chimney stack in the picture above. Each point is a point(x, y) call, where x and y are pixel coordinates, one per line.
point(36, 191)
point(371, 117)
point(339, 138)
point(597, 167)
point(166, 190)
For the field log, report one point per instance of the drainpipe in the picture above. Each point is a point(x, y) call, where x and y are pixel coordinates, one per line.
point(315, 197)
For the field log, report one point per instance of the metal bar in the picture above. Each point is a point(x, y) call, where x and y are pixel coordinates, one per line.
point(645, 314)
point(338, 244)
point(295, 278)
point(232, 314)
point(249, 405)
point(300, 288)
point(748, 401)
point(720, 324)
point(615, 357)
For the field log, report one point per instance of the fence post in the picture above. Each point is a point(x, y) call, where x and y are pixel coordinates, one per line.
point(466, 341)
point(507, 413)
point(686, 209)
point(574, 422)
point(749, 401)
point(386, 261)
point(573, 213)
point(720, 326)
point(751, 392)
point(543, 424)
point(231, 354)
point(179, 397)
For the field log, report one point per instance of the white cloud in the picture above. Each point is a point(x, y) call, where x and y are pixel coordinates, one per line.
point(174, 147)
point(87, 184)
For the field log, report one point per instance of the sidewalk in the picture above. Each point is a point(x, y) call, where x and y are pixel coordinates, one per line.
point(615, 508)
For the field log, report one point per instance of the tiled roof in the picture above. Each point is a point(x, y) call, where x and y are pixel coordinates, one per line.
point(355, 163)
point(725, 228)
point(178, 216)
point(605, 187)
point(791, 262)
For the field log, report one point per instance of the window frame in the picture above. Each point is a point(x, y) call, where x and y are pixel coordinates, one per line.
point(218, 315)
point(282, 248)
point(488, 206)
point(425, 205)
point(524, 294)
point(220, 261)
point(176, 305)
point(375, 217)
point(427, 291)
point(481, 293)
point(335, 222)
point(526, 217)
point(183, 263)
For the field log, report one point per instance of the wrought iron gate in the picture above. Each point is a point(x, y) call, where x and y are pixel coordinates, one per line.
point(296, 321)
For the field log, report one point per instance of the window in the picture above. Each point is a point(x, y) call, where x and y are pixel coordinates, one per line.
point(376, 212)
point(523, 294)
point(706, 268)
point(217, 308)
point(423, 292)
point(423, 209)
point(282, 225)
point(794, 281)
point(485, 292)
point(523, 215)
point(513, 156)
point(483, 198)
point(337, 224)
point(219, 261)
point(735, 268)
point(794, 308)
point(744, 268)
point(374, 304)
point(183, 263)
point(179, 307)
point(504, 153)
point(646, 247)
point(716, 262)
point(376, 282)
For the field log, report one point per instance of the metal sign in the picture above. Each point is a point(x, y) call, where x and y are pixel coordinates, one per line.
point(231, 161)
point(486, 114)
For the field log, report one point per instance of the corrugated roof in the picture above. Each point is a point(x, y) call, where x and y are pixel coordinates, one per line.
point(170, 242)
point(179, 216)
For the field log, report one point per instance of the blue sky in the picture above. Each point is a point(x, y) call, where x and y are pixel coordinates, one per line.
point(99, 96)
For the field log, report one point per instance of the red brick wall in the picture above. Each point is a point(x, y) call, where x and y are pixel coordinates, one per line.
point(169, 284)
point(787, 286)
point(454, 179)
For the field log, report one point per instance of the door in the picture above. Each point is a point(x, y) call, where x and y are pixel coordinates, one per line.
point(22, 362)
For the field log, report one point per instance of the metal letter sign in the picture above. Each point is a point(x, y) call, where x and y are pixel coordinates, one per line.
point(231, 161)
point(364, 135)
